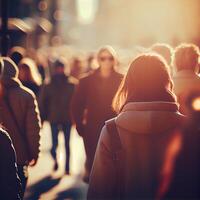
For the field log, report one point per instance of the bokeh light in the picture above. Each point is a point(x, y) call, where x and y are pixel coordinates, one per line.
point(86, 10)
point(196, 104)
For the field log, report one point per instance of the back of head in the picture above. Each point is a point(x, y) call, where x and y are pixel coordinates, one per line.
point(28, 66)
point(16, 54)
point(186, 57)
point(59, 64)
point(148, 79)
point(164, 50)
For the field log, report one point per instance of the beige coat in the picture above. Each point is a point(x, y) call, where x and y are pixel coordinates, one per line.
point(146, 131)
point(25, 108)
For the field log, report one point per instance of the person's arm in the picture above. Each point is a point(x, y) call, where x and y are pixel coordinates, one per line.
point(102, 182)
point(33, 125)
point(10, 182)
point(78, 106)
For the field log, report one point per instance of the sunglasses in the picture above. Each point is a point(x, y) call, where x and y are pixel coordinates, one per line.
point(109, 58)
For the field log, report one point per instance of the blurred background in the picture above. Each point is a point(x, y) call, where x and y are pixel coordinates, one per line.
point(87, 24)
point(75, 28)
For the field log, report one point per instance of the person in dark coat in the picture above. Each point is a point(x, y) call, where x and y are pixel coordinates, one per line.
point(19, 114)
point(54, 102)
point(91, 104)
point(10, 185)
point(186, 175)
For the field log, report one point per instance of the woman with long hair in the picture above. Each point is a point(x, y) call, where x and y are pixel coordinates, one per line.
point(136, 149)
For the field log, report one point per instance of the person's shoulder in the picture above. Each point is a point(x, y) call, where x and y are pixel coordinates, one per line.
point(72, 81)
point(26, 92)
point(118, 74)
point(86, 78)
point(106, 136)
point(89, 75)
point(4, 136)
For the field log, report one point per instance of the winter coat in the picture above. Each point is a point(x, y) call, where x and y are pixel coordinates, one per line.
point(32, 86)
point(10, 186)
point(186, 176)
point(91, 104)
point(55, 99)
point(91, 107)
point(25, 132)
point(134, 171)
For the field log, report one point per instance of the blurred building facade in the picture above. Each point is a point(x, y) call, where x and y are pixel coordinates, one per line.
point(116, 22)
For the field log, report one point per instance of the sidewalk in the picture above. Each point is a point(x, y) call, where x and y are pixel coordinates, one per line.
point(44, 184)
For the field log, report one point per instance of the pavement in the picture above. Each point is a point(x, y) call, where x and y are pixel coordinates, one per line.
point(46, 184)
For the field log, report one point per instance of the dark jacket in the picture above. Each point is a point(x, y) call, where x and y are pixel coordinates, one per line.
point(32, 86)
point(24, 106)
point(91, 105)
point(135, 170)
point(10, 186)
point(186, 176)
point(55, 99)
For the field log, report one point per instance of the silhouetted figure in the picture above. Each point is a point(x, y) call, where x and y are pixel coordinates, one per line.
point(90, 63)
point(186, 78)
point(20, 116)
point(54, 101)
point(132, 147)
point(76, 68)
point(91, 105)
point(186, 175)
point(10, 185)
point(29, 75)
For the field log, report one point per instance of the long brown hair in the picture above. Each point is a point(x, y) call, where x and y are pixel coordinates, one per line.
point(148, 79)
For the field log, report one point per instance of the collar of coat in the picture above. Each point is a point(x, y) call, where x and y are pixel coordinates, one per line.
point(149, 117)
point(149, 106)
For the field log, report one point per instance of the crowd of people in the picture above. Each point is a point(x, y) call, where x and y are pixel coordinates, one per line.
point(140, 129)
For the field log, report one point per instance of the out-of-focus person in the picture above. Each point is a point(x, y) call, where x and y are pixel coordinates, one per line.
point(40, 61)
point(186, 78)
point(91, 61)
point(17, 53)
point(29, 75)
point(136, 148)
point(186, 175)
point(76, 68)
point(166, 51)
point(19, 114)
point(91, 104)
point(10, 185)
point(54, 102)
